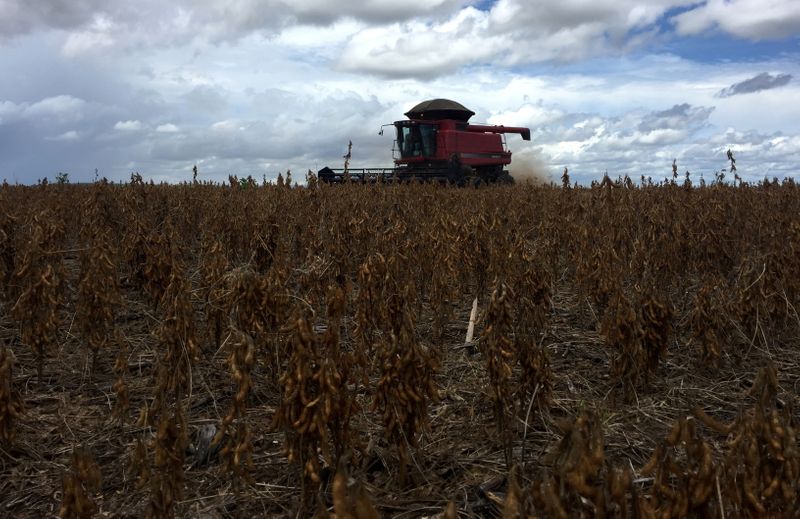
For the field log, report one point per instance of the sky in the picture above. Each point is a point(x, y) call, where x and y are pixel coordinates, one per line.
point(104, 88)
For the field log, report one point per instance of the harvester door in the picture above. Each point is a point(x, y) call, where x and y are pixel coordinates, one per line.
point(428, 134)
point(410, 141)
point(417, 140)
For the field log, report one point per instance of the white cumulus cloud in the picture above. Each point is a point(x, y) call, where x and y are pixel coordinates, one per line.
point(752, 19)
point(166, 128)
point(510, 32)
point(60, 108)
point(128, 126)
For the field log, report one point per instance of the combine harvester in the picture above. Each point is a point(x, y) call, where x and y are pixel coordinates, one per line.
point(438, 144)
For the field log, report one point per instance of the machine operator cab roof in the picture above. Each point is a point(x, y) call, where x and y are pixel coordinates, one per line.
point(437, 109)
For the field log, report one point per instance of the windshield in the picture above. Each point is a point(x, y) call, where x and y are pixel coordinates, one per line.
point(417, 140)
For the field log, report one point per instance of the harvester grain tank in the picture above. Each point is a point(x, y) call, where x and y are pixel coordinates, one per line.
point(438, 143)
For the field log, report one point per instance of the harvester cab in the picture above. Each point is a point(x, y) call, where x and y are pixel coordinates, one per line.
point(437, 143)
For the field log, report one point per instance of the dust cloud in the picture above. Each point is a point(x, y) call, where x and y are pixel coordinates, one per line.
point(528, 168)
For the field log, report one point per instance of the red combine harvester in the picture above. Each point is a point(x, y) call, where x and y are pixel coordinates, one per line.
point(437, 143)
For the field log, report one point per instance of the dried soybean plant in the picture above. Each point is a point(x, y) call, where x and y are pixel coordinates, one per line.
point(344, 363)
point(11, 407)
point(213, 268)
point(166, 475)
point(517, 325)
point(7, 251)
point(178, 340)
point(257, 305)
point(621, 331)
point(160, 262)
point(533, 294)
point(655, 316)
point(513, 504)
point(762, 463)
point(575, 484)
point(370, 311)
point(98, 294)
point(238, 450)
point(535, 386)
point(685, 475)
point(757, 304)
point(139, 464)
point(309, 387)
point(176, 335)
point(708, 322)
point(406, 385)
point(133, 248)
point(476, 257)
point(497, 347)
point(444, 287)
point(122, 401)
point(350, 501)
point(39, 276)
point(638, 338)
point(594, 270)
point(79, 484)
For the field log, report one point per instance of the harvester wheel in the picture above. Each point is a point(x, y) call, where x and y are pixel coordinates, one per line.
point(458, 175)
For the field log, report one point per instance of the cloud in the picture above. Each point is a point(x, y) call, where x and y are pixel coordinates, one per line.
point(632, 142)
point(763, 81)
point(661, 137)
point(413, 38)
point(751, 19)
point(207, 98)
point(533, 115)
point(423, 49)
point(373, 11)
point(128, 126)
point(166, 128)
point(98, 23)
point(511, 32)
point(631, 130)
point(61, 106)
point(681, 117)
point(23, 16)
point(98, 36)
point(70, 135)
point(8, 111)
point(257, 87)
point(296, 130)
point(57, 109)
